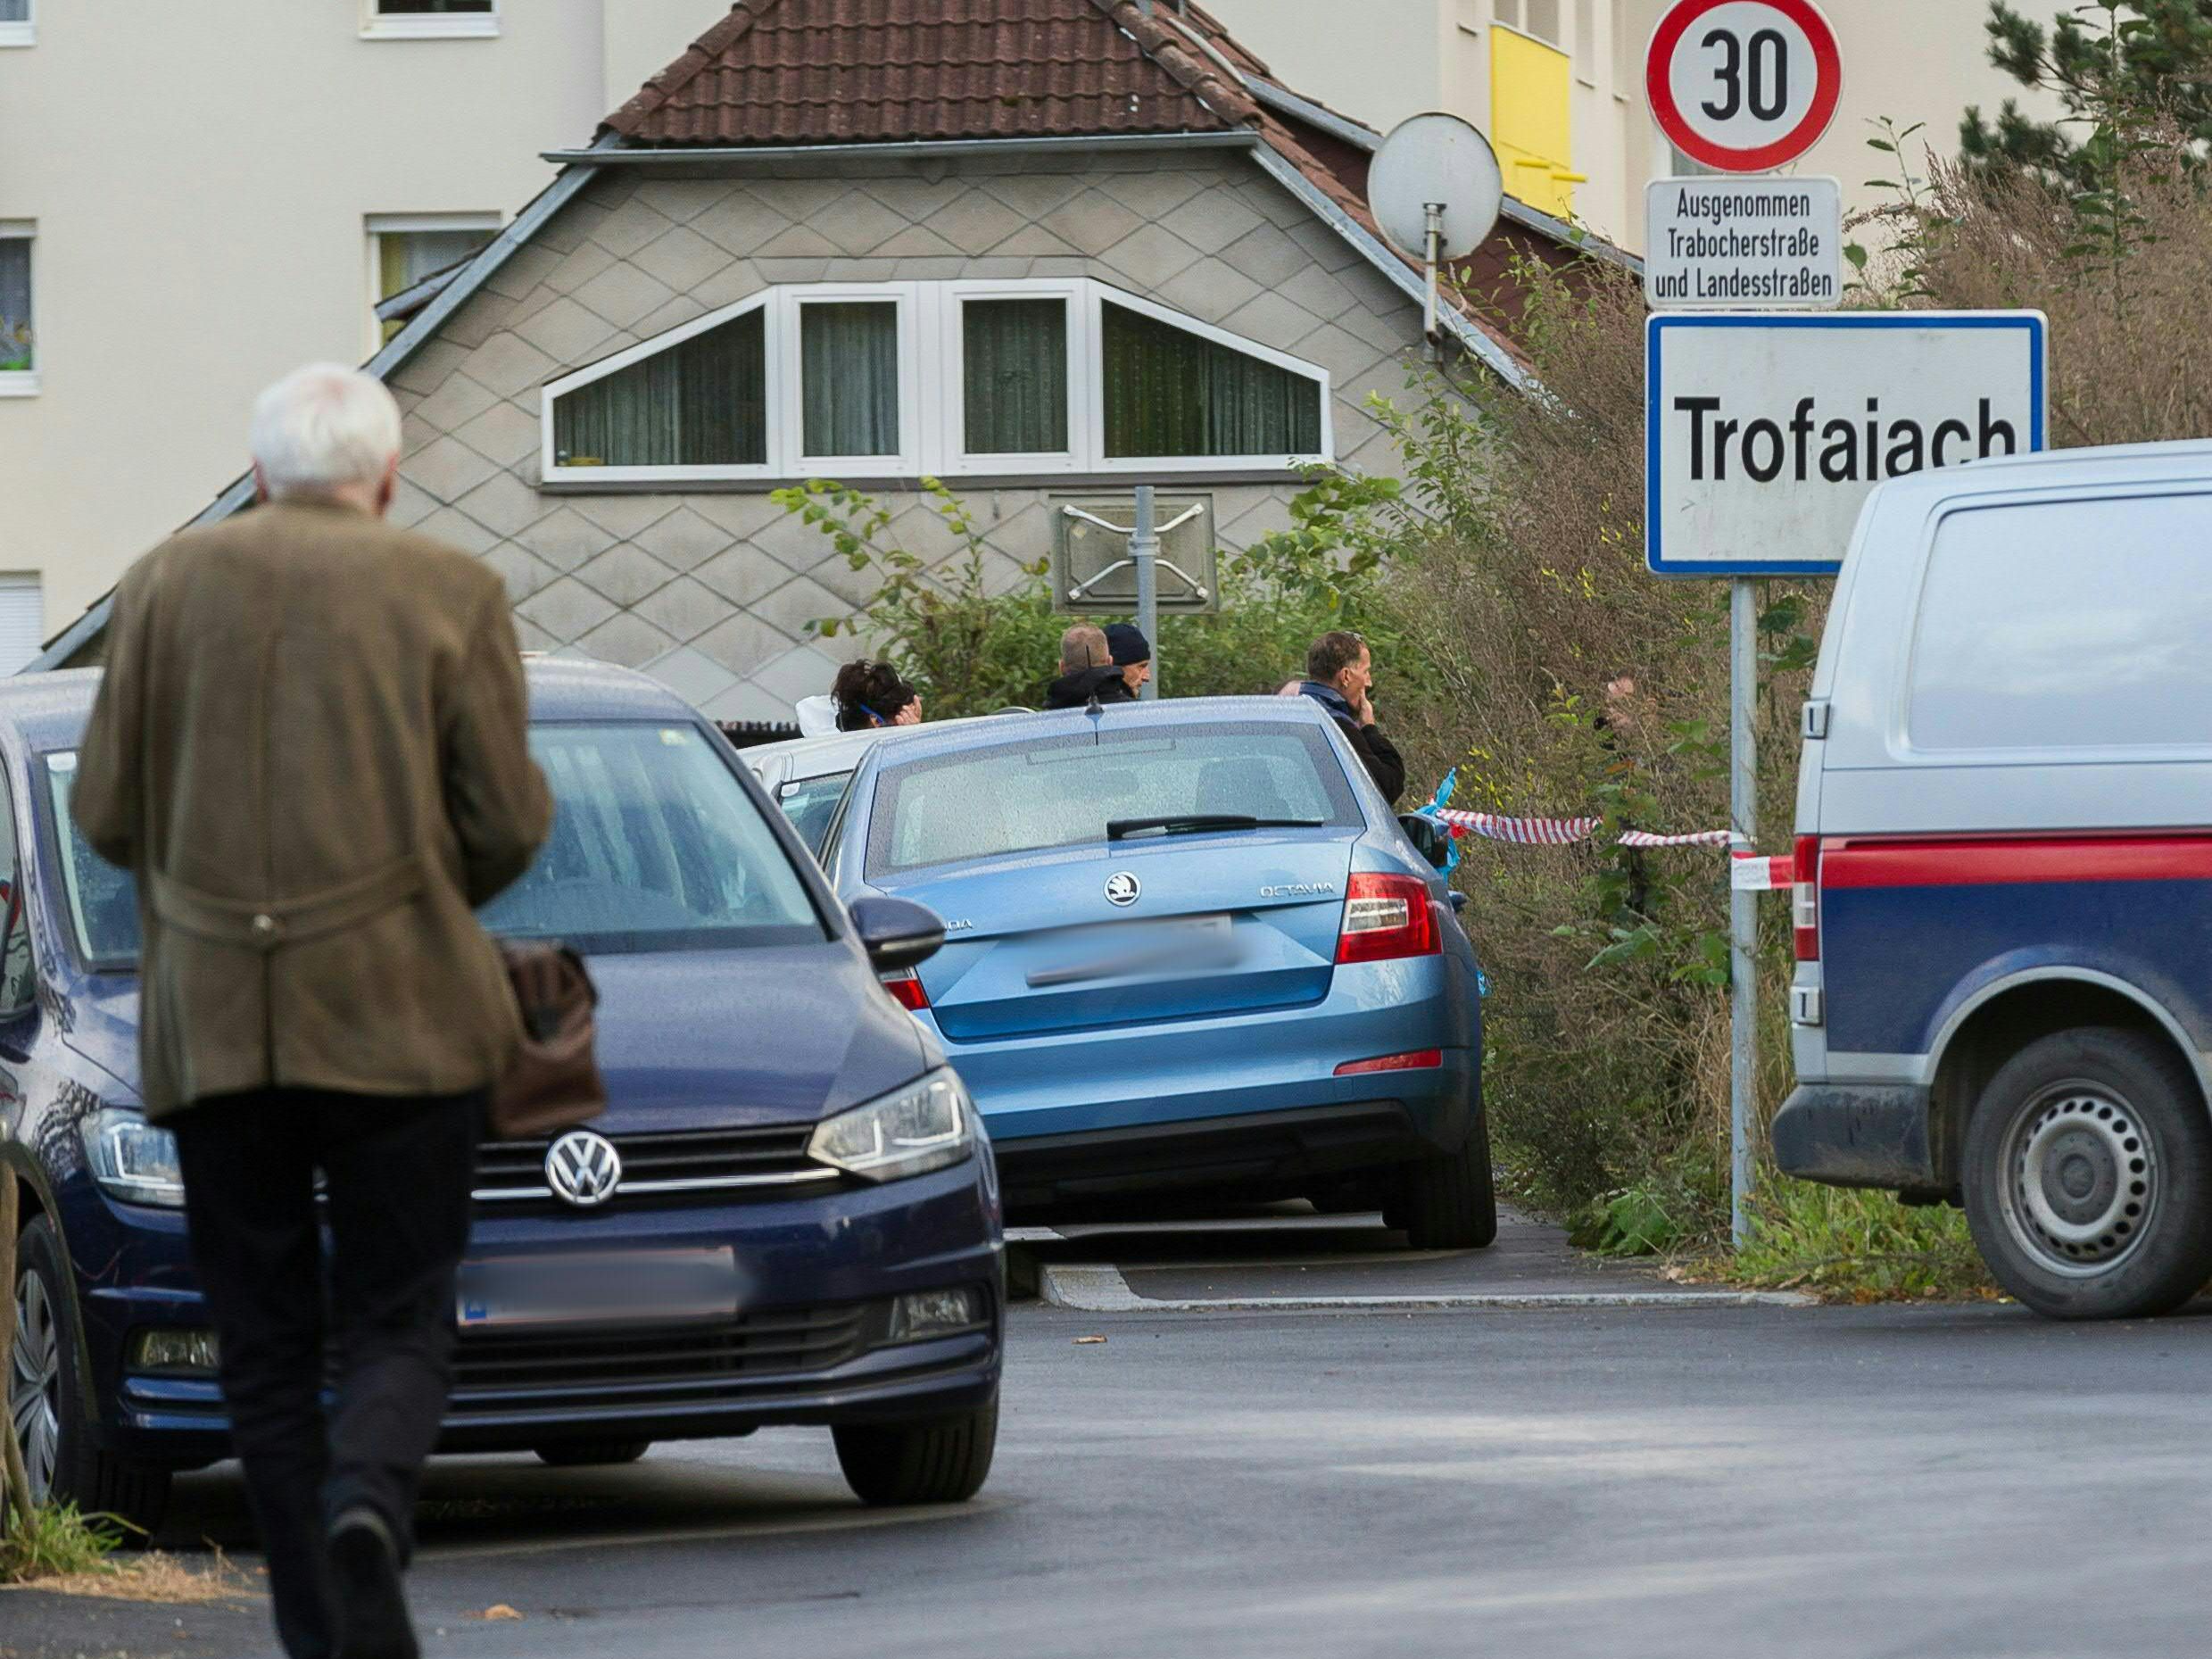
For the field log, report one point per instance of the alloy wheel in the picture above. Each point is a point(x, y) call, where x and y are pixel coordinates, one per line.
point(2081, 1187)
point(35, 1383)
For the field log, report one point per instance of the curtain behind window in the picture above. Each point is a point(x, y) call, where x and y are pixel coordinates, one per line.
point(1169, 392)
point(1016, 356)
point(15, 327)
point(849, 355)
point(701, 404)
point(14, 11)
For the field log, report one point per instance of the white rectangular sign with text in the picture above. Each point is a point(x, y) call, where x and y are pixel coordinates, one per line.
point(1723, 243)
point(1763, 434)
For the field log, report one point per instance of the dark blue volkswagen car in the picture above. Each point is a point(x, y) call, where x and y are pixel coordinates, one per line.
point(788, 1214)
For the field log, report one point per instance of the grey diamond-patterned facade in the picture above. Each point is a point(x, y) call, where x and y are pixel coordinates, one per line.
point(711, 589)
point(1137, 158)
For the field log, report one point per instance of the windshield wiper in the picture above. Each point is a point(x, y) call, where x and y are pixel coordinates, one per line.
point(1199, 823)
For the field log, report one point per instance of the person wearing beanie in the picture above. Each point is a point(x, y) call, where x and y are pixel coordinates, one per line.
point(1087, 670)
point(1132, 655)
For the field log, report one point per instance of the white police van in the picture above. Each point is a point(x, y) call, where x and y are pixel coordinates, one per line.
point(2003, 911)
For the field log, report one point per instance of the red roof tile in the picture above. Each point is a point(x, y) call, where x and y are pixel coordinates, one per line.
point(849, 71)
point(776, 72)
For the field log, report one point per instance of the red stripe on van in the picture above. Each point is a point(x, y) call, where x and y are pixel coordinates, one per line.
point(1850, 862)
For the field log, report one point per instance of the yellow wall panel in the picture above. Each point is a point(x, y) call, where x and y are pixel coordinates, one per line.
point(1531, 122)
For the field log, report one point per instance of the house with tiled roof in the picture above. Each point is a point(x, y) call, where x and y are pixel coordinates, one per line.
point(1042, 250)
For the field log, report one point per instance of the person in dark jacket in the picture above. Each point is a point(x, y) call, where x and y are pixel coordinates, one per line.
point(1132, 655)
point(1339, 676)
point(1087, 670)
point(310, 747)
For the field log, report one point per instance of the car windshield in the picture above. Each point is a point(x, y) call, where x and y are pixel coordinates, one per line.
point(655, 846)
point(979, 803)
point(810, 803)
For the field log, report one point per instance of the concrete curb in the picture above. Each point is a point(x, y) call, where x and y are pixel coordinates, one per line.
point(1100, 1290)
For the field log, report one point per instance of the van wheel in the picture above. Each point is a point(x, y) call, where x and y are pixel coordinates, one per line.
point(45, 1398)
point(2089, 1176)
point(937, 1460)
point(1447, 1203)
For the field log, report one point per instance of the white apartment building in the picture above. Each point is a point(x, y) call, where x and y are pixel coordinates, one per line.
point(195, 198)
point(1557, 84)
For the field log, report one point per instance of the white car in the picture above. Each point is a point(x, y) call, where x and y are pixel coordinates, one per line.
point(807, 776)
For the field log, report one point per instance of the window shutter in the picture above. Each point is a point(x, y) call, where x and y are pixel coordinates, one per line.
point(22, 621)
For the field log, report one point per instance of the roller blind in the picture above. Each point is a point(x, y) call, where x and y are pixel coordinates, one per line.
point(22, 621)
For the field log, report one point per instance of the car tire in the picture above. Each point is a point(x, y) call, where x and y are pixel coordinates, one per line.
point(2088, 1177)
point(69, 1467)
point(936, 1460)
point(1448, 1202)
point(592, 1454)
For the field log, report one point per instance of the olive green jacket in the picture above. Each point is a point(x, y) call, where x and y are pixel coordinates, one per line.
point(309, 748)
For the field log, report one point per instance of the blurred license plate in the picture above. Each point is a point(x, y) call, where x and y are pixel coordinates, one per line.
point(629, 1287)
point(1181, 944)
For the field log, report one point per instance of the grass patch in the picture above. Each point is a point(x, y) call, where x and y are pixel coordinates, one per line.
point(67, 1552)
point(1856, 1245)
point(60, 1542)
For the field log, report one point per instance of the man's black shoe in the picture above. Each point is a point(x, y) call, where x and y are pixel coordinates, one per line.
point(373, 1622)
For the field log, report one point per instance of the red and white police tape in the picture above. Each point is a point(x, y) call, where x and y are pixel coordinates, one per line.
point(1752, 872)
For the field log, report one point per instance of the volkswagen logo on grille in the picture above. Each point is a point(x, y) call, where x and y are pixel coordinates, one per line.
point(583, 1169)
point(1122, 888)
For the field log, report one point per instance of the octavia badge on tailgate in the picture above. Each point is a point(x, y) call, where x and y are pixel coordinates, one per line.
point(1122, 888)
point(583, 1169)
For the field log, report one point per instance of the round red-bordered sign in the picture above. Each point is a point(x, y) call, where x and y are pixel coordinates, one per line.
point(1783, 147)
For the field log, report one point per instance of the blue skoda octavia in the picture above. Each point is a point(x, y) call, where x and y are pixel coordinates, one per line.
point(788, 1214)
point(1188, 949)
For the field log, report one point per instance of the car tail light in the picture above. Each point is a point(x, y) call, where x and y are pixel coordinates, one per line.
point(1805, 899)
point(1417, 1060)
point(905, 990)
point(1386, 917)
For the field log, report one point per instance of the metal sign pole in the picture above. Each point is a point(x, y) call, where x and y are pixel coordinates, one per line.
point(1434, 250)
point(1743, 907)
point(1144, 550)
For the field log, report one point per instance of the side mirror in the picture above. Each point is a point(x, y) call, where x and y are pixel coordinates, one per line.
point(897, 933)
point(1430, 839)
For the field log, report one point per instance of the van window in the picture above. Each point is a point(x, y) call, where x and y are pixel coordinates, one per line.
point(2066, 624)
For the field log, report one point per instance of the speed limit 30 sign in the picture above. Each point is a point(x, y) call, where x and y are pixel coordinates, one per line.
point(1745, 85)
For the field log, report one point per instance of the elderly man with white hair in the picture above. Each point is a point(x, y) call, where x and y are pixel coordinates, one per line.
point(310, 747)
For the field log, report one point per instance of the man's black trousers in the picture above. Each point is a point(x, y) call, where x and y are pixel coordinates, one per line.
point(372, 1317)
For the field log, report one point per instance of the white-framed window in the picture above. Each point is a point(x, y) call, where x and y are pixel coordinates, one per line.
point(19, 23)
point(954, 378)
point(428, 19)
point(404, 248)
point(853, 384)
point(22, 620)
point(18, 334)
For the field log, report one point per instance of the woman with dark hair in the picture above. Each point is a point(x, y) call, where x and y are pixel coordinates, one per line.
point(870, 693)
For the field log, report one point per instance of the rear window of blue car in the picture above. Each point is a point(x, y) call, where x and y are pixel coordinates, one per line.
point(1063, 791)
point(655, 846)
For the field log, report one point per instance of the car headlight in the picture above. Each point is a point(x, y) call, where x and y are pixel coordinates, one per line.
point(925, 1126)
point(133, 1160)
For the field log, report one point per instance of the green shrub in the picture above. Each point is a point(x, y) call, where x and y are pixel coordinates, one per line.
point(970, 651)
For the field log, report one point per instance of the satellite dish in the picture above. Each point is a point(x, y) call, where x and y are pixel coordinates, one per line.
point(1436, 158)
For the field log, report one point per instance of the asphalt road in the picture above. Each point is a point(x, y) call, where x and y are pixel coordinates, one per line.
point(1688, 1481)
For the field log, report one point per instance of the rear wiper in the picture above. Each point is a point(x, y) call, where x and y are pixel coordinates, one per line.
point(1199, 823)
